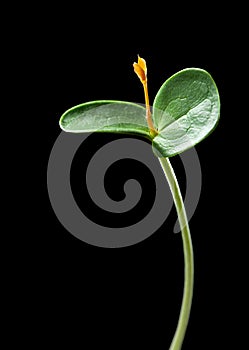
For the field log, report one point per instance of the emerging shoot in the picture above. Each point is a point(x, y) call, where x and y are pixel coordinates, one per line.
point(140, 69)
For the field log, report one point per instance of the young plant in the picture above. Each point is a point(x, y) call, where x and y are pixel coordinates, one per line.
point(185, 111)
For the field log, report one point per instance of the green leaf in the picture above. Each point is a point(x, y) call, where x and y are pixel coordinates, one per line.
point(185, 111)
point(106, 116)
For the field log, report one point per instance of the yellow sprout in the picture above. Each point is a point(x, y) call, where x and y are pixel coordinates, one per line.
point(140, 69)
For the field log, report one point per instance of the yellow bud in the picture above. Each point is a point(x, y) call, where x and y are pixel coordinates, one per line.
point(141, 69)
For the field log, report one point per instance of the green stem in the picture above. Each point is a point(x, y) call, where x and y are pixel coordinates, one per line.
point(188, 256)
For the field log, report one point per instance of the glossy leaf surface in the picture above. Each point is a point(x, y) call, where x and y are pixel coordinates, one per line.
point(106, 116)
point(185, 111)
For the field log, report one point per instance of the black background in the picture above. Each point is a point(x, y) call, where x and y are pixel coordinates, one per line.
point(75, 293)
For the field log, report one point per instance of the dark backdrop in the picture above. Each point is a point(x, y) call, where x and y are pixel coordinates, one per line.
point(76, 293)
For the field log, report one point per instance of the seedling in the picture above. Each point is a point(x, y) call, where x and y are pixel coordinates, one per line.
point(185, 111)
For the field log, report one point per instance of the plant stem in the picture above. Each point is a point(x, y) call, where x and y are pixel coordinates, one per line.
point(153, 132)
point(188, 255)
